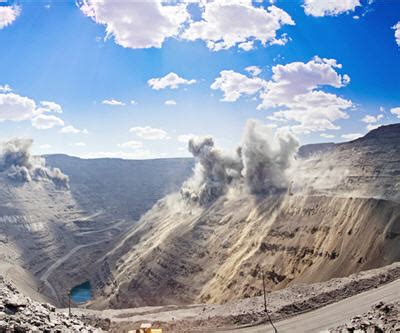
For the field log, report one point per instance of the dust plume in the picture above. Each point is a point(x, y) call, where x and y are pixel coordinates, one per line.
point(215, 170)
point(19, 164)
point(266, 158)
point(259, 164)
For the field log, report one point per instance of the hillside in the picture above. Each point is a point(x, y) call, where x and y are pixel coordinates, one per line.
point(123, 188)
point(22, 314)
point(326, 211)
point(54, 224)
point(339, 214)
point(301, 307)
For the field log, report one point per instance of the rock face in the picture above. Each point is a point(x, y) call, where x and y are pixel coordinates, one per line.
point(341, 215)
point(307, 151)
point(122, 188)
point(21, 314)
point(368, 167)
point(37, 227)
point(51, 236)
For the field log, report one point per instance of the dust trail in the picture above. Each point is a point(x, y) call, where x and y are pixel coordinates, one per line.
point(20, 165)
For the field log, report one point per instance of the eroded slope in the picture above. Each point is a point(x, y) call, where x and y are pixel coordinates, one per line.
point(339, 215)
point(217, 255)
point(53, 227)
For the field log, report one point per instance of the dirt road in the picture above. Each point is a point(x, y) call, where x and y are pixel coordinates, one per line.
point(332, 315)
point(45, 276)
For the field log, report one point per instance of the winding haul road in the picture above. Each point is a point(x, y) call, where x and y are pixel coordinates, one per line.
point(45, 276)
point(332, 315)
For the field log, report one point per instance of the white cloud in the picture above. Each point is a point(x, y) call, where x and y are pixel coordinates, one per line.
point(48, 106)
point(371, 127)
point(133, 102)
point(137, 24)
point(145, 24)
point(272, 118)
point(321, 8)
point(372, 119)
point(396, 28)
point(8, 14)
point(186, 137)
point(352, 136)
point(254, 70)
point(327, 136)
point(281, 41)
point(171, 80)
point(5, 89)
point(315, 111)
point(79, 144)
point(44, 121)
point(295, 89)
point(131, 144)
point(234, 85)
point(170, 102)
point(299, 78)
point(294, 93)
point(396, 111)
point(113, 102)
point(72, 130)
point(45, 146)
point(246, 46)
point(14, 107)
point(219, 26)
point(133, 155)
point(150, 133)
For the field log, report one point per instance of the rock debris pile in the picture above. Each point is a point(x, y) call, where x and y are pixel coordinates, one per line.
point(21, 314)
point(381, 318)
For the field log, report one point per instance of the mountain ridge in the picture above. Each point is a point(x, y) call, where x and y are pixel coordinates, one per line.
point(340, 215)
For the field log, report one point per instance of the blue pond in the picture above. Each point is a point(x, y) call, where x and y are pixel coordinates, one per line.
point(81, 293)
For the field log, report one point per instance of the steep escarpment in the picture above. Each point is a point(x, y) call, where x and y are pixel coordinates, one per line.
point(329, 211)
point(218, 254)
point(54, 226)
point(122, 188)
point(36, 217)
point(367, 167)
point(40, 224)
point(339, 215)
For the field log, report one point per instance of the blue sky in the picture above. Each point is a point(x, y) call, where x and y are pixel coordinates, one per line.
point(57, 51)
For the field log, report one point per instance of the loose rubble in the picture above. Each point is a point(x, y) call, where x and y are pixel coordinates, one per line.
point(19, 313)
point(381, 318)
point(282, 304)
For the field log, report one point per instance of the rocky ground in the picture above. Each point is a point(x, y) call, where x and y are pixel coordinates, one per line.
point(250, 311)
point(381, 318)
point(19, 313)
point(51, 236)
point(339, 216)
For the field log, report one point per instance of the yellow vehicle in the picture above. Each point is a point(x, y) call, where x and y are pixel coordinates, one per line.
point(146, 328)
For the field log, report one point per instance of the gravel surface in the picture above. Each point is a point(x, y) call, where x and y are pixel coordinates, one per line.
point(381, 318)
point(250, 311)
point(19, 313)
